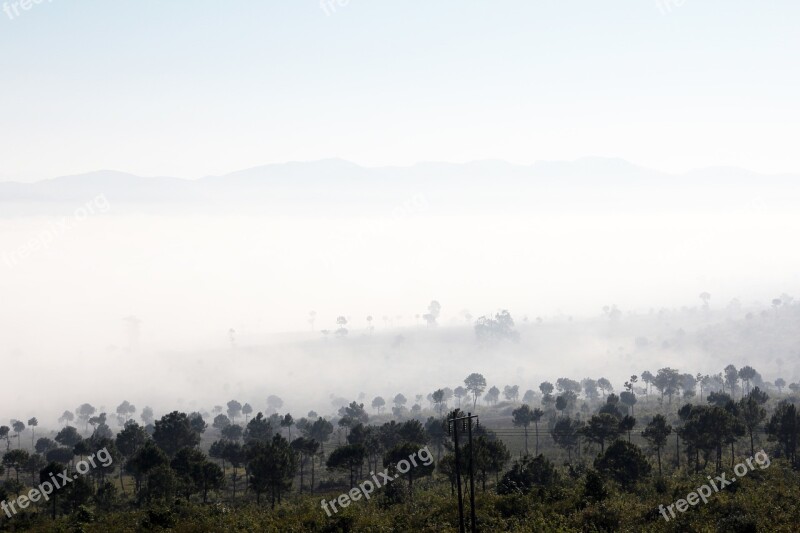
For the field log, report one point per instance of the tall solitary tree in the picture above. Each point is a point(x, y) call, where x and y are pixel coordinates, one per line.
point(19, 427)
point(475, 384)
point(628, 398)
point(234, 410)
point(731, 379)
point(647, 378)
point(438, 399)
point(536, 416)
point(32, 423)
point(523, 416)
point(247, 410)
point(378, 403)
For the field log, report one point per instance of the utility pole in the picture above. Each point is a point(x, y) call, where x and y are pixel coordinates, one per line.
point(471, 477)
point(453, 424)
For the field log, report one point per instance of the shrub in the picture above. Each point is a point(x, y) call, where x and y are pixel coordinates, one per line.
point(527, 473)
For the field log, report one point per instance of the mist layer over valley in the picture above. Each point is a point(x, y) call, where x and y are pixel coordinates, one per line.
point(185, 294)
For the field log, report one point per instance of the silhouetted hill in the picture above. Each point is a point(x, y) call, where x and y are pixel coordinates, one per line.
point(334, 186)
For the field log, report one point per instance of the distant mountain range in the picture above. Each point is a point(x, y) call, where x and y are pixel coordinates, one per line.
point(335, 186)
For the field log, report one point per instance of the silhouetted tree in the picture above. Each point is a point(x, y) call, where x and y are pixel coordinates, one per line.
point(667, 381)
point(753, 413)
point(566, 434)
point(274, 403)
point(605, 386)
point(16, 459)
point(175, 431)
point(648, 379)
point(601, 428)
point(497, 328)
point(378, 403)
point(434, 309)
point(624, 463)
point(287, 422)
point(19, 427)
point(731, 379)
point(68, 437)
point(746, 373)
point(247, 410)
point(50, 471)
point(401, 453)
point(85, 412)
point(475, 384)
point(32, 423)
point(306, 449)
point(147, 416)
point(656, 433)
point(347, 458)
point(523, 416)
point(628, 398)
point(66, 417)
point(783, 427)
point(511, 393)
point(526, 474)
point(195, 473)
point(234, 410)
point(124, 412)
point(492, 395)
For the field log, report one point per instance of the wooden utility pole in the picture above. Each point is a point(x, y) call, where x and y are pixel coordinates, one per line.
point(453, 427)
point(471, 477)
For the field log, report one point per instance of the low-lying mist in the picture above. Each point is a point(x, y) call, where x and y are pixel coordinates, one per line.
point(189, 311)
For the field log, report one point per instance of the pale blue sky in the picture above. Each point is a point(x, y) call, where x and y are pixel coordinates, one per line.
point(191, 88)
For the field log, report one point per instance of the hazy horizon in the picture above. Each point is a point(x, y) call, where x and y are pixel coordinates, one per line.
point(258, 251)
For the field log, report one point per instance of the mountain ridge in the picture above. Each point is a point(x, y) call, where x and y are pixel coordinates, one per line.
point(600, 165)
point(339, 186)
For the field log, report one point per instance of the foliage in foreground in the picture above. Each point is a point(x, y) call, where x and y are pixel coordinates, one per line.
point(765, 500)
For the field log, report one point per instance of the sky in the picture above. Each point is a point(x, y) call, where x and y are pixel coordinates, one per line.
point(198, 88)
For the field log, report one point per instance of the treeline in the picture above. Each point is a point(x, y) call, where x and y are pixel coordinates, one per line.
point(267, 457)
